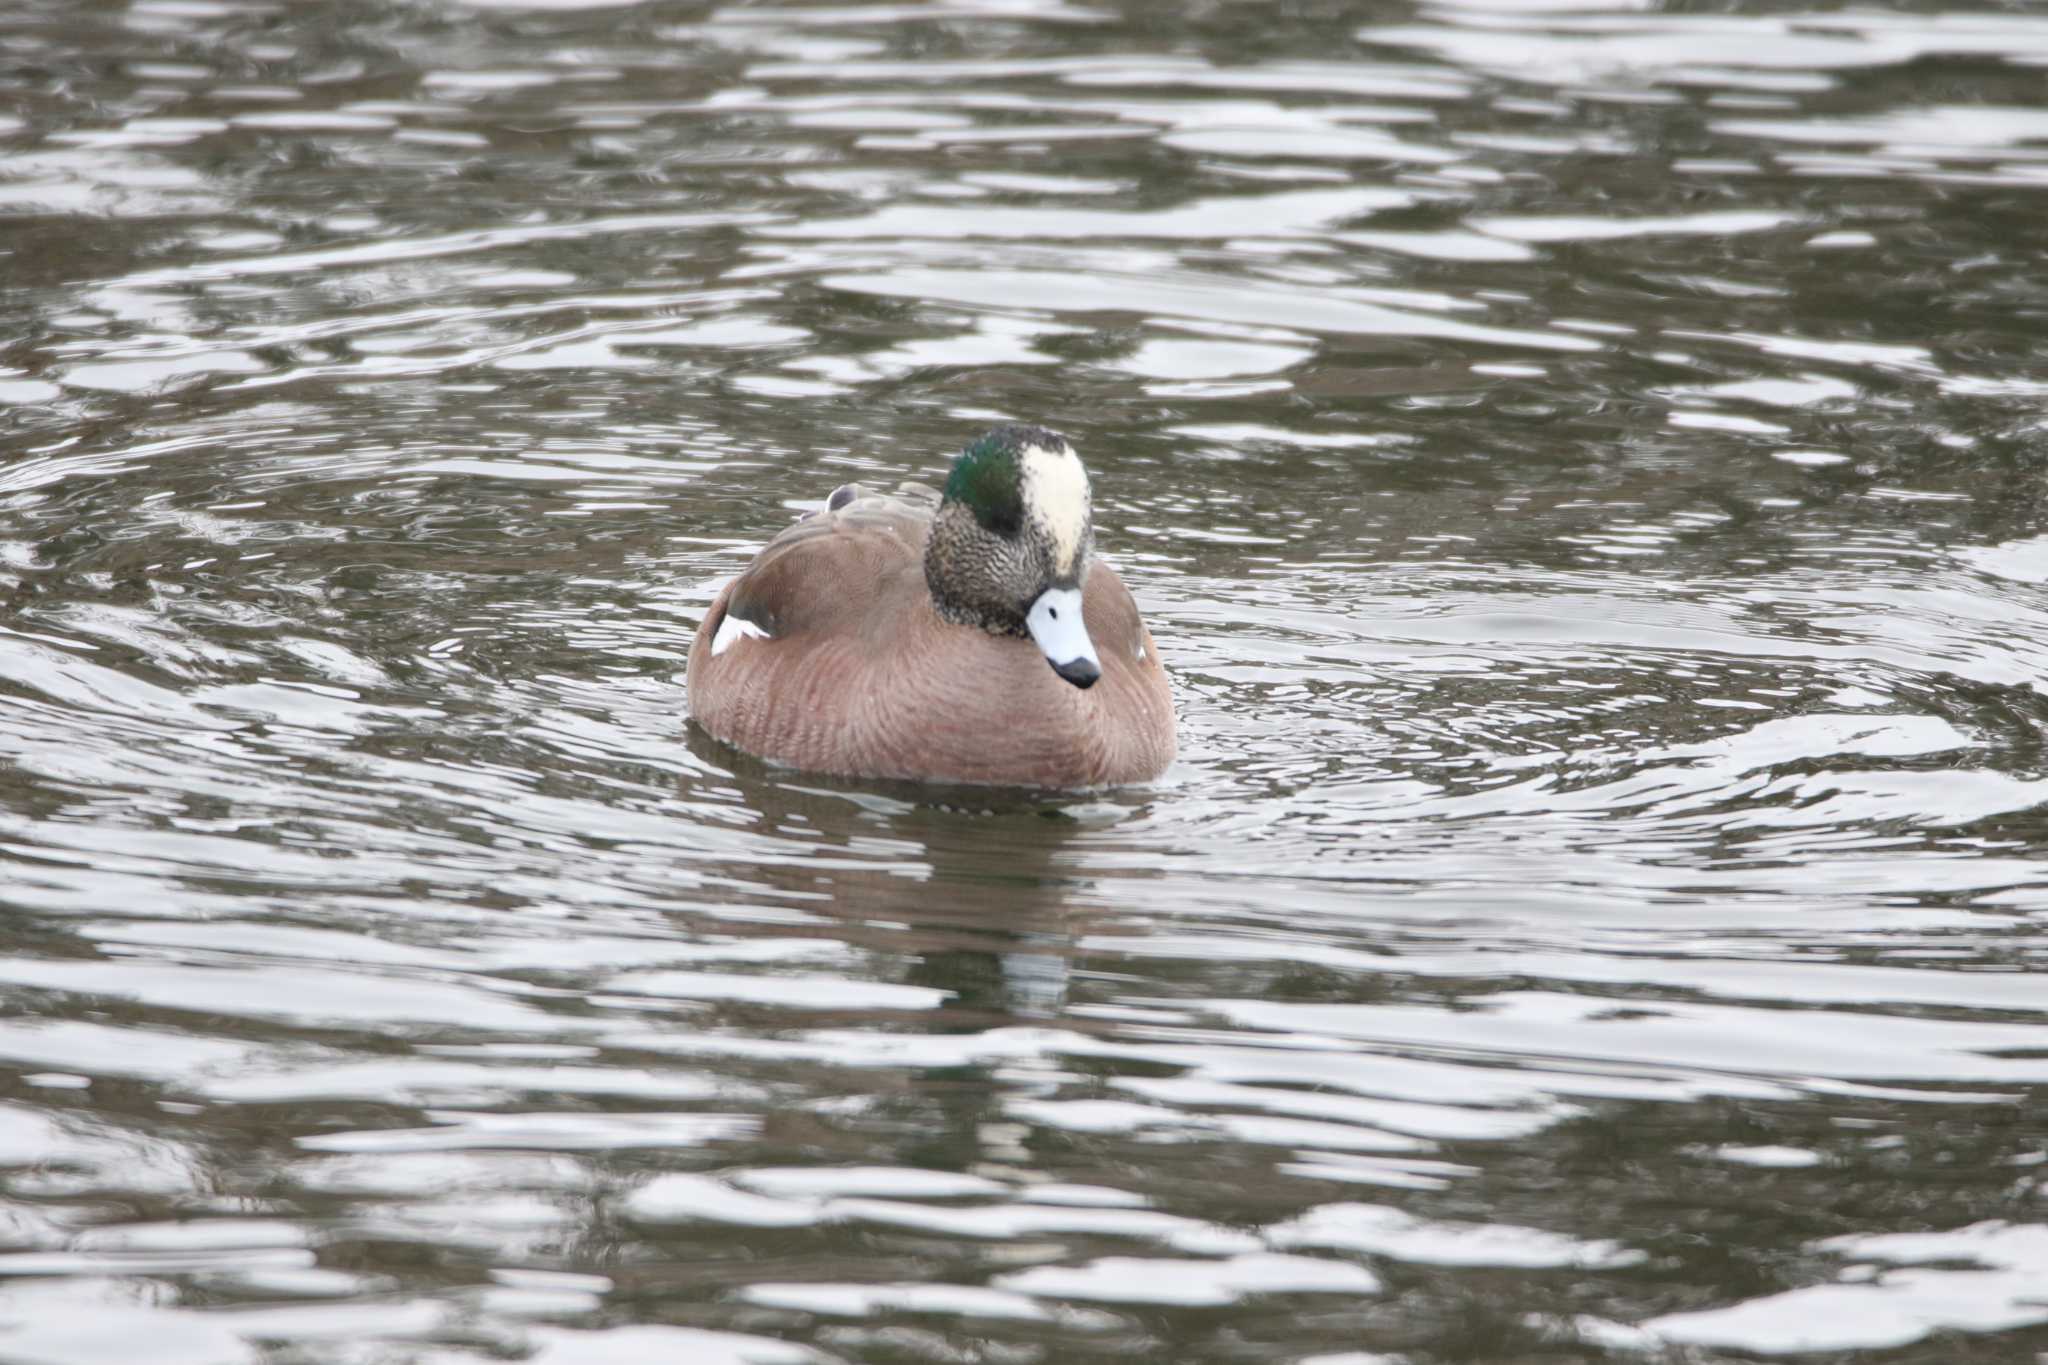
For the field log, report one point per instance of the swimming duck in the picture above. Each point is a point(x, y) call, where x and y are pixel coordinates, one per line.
point(969, 636)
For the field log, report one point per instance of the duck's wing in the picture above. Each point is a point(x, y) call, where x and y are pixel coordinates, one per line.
point(831, 569)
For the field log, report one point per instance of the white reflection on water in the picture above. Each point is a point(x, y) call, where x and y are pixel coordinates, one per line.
point(1886, 1300)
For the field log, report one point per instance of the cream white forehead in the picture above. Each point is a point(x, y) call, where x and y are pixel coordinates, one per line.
point(1056, 494)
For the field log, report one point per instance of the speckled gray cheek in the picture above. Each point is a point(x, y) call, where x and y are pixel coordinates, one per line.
point(978, 578)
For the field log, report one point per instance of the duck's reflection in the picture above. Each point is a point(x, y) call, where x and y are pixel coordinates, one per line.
point(975, 887)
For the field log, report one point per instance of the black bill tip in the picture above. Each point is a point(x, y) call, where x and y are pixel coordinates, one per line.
point(1081, 672)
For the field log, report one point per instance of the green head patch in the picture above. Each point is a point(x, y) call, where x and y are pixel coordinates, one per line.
point(988, 478)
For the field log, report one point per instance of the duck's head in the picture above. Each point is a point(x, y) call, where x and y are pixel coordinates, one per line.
point(1009, 548)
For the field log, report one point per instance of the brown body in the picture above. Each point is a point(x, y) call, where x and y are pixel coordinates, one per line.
point(861, 677)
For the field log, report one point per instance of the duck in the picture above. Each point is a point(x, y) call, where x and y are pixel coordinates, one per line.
point(968, 634)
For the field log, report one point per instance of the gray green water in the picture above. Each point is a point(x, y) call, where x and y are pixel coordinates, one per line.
point(1582, 462)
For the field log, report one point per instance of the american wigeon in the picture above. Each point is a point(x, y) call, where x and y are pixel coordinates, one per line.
point(966, 638)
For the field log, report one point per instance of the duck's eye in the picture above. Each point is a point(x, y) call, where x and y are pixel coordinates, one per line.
point(1053, 612)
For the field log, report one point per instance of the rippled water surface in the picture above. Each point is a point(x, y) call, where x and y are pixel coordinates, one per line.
point(1582, 461)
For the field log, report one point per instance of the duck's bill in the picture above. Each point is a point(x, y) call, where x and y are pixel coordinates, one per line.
point(1055, 624)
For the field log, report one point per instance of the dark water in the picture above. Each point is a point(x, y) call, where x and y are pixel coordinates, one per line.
point(1582, 461)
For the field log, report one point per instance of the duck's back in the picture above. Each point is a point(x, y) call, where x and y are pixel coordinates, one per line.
point(826, 654)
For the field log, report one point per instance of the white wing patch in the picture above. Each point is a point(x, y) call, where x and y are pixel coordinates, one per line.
point(1056, 491)
point(734, 628)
